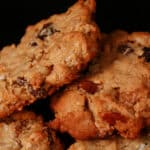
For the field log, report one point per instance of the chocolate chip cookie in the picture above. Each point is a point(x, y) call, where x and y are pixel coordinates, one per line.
point(25, 130)
point(113, 96)
point(51, 53)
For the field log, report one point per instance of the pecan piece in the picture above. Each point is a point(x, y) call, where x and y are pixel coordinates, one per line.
point(88, 86)
point(112, 117)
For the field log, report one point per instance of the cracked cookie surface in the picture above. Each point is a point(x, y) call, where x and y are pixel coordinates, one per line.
point(26, 131)
point(51, 53)
point(113, 96)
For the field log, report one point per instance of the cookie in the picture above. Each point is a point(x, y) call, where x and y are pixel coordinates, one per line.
point(117, 143)
point(51, 53)
point(113, 96)
point(78, 18)
point(25, 130)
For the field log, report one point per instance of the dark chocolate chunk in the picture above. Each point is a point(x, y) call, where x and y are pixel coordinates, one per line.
point(47, 30)
point(21, 81)
point(125, 49)
point(146, 54)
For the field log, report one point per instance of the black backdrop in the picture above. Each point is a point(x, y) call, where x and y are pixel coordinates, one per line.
point(111, 14)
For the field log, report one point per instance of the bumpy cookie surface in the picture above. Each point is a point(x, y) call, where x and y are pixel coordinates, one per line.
point(114, 95)
point(26, 131)
point(50, 54)
point(116, 143)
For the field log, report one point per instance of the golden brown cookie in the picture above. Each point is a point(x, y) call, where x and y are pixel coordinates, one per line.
point(51, 53)
point(114, 95)
point(116, 143)
point(26, 131)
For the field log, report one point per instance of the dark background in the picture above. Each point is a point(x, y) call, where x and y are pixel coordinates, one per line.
point(111, 14)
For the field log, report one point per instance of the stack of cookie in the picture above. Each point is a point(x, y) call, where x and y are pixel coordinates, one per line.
point(111, 101)
point(52, 53)
point(98, 85)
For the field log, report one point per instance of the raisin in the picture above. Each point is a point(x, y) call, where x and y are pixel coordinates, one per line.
point(86, 105)
point(47, 30)
point(125, 49)
point(146, 54)
point(88, 86)
point(38, 93)
point(21, 81)
point(33, 44)
point(112, 117)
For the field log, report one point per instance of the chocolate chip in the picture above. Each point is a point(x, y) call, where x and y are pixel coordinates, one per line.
point(38, 93)
point(47, 30)
point(146, 54)
point(88, 86)
point(125, 49)
point(21, 81)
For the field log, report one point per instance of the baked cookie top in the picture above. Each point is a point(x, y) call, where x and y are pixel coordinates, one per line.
point(113, 96)
point(78, 18)
point(51, 53)
point(26, 131)
point(115, 143)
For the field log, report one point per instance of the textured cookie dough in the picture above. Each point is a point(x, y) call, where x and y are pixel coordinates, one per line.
point(142, 143)
point(26, 131)
point(113, 96)
point(51, 53)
